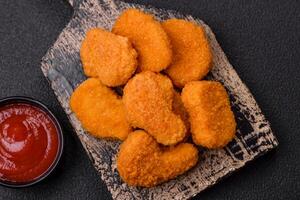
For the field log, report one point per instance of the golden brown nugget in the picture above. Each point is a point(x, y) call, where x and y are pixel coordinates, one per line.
point(212, 121)
point(179, 109)
point(142, 162)
point(166, 84)
point(100, 110)
point(174, 98)
point(148, 38)
point(107, 56)
point(148, 107)
point(192, 56)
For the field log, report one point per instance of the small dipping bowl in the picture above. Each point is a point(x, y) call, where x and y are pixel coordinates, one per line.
point(31, 142)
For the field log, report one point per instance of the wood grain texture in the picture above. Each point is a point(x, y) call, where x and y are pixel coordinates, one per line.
point(62, 67)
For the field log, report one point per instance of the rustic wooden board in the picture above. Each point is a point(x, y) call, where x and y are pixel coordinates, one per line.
point(62, 67)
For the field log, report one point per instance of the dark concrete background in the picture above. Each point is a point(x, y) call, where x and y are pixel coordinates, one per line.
point(261, 40)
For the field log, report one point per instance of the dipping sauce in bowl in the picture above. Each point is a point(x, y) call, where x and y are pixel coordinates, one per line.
point(30, 141)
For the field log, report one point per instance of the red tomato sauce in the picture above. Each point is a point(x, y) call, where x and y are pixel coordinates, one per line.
point(29, 142)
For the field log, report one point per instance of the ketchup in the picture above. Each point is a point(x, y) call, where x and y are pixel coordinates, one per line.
point(29, 142)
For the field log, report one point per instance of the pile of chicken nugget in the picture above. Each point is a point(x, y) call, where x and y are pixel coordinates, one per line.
point(166, 110)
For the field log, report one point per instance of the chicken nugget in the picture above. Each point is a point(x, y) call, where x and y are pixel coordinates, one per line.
point(192, 56)
point(179, 109)
point(166, 84)
point(173, 98)
point(100, 110)
point(212, 121)
point(148, 107)
point(148, 38)
point(142, 162)
point(107, 56)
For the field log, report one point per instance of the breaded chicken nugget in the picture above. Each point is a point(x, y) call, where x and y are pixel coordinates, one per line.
point(148, 107)
point(192, 56)
point(142, 162)
point(107, 56)
point(100, 110)
point(212, 121)
point(148, 38)
point(166, 84)
point(174, 98)
point(179, 109)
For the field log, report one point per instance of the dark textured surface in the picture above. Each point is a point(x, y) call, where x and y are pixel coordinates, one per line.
point(261, 41)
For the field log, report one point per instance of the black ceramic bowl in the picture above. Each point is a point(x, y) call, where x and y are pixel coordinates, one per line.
point(33, 102)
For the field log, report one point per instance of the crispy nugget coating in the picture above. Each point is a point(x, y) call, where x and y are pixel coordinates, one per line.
point(179, 109)
point(148, 107)
point(142, 162)
point(166, 84)
point(100, 111)
point(212, 121)
point(107, 56)
point(192, 56)
point(148, 38)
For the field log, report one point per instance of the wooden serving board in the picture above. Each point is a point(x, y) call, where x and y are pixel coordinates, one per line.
point(62, 67)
